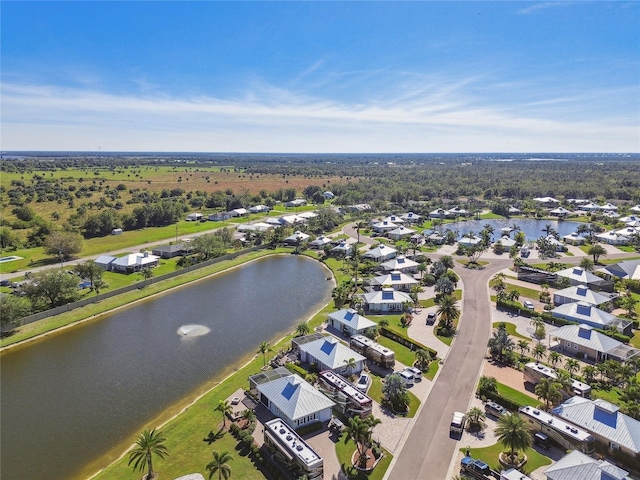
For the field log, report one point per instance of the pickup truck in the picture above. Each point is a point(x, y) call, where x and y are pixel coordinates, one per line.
point(475, 468)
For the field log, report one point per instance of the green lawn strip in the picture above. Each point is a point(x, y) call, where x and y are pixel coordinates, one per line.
point(489, 455)
point(482, 263)
point(611, 395)
point(375, 392)
point(635, 340)
point(445, 340)
point(491, 216)
point(36, 328)
point(515, 396)
point(511, 330)
point(345, 451)
point(433, 369)
point(523, 291)
point(403, 354)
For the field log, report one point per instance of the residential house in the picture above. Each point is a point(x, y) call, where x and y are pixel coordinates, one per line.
point(105, 261)
point(612, 238)
point(438, 213)
point(295, 401)
point(506, 241)
point(386, 300)
point(582, 312)
point(297, 238)
point(635, 209)
point(548, 202)
point(604, 420)
point(630, 219)
point(329, 354)
point(276, 222)
point(381, 253)
point(290, 220)
point(609, 207)
point(298, 202)
point(627, 269)
point(396, 280)
point(578, 466)
point(628, 231)
point(400, 233)
point(254, 227)
point(456, 212)
point(328, 195)
point(394, 219)
point(559, 246)
point(220, 216)
point(467, 241)
point(350, 322)
point(383, 226)
point(590, 207)
point(239, 212)
point(320, 242)
point(580, 276)
point(259, 209)
point(359, 208)
point(514, 210)
point(194, 217)
point(169, 251)
point(574, 238)
point(134, 262)
point(580, 293)
point(401, 264)
point(560, 212)
point(411, 217)
point(436, 237)
point(584, 342)
point(342, 249)
point(307, 215)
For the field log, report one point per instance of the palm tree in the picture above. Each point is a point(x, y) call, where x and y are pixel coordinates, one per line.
point(350, 364)
point(513, 433)
point(225, 408)
point(523, 346)
point(394, 391)
point(554, 358)
point(359, 226)
point(487, 385)
point(149, 443)
point(572, 366)
point(264, 348)
point(360, 431)
point(384, 323)
point(597, 251)
point(589, 373)
point(475, 416)
point(249, 415)
point(538, 351)
point(586, 264)
point(220, 464)
point(146, 274)
point(423, 357)
point(302, 329)
point(448, 311)
point(549, 391)
point(422, 267)
point(513, 295)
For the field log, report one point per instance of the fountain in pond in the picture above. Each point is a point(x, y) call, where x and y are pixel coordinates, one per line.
point(193, 330)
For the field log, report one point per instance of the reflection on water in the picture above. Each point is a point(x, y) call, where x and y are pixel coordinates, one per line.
point(71, 397)
point(193, 330)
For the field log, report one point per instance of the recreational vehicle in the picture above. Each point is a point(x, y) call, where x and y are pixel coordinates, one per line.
point(373, 351)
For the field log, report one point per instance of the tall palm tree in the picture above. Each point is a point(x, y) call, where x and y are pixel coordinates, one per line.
point(350, 364)
point(302, 329)
point(149, 443)
point(586, 264)
point(264, 348)
point(589, 373)
point(448, 311)
point(360, 431)
point(423, 357)
point(225, 408)
point(538, 351)
point(475, 416)
point(523, 346)
point(513, 433)
point(249, 415)
point(554, 358)
point(548, 390)
point(220, 464)
point(572, 365)
point(513, 295)
point(359, 226)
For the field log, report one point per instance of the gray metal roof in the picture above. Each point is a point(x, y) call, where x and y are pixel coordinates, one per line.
point(294, 397)
point(584, 312)
point(578, 466)
point(585, 336)
point(352, 318)
point(330, 352)
point(582, 293)
point(602, 418)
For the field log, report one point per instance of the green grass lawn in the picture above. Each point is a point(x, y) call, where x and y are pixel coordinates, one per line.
point(635, 340)
point(511, 330)
point(523, 291)
point(345, 451)
point(489, 455)
point(375, 392)
point(515, 396)
point(403, 354)
point(433, 369)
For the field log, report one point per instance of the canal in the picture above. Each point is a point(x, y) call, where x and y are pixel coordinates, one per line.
point(69, 398)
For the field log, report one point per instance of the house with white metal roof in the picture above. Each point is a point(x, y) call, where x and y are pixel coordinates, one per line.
point(580, 276)
point(239, 212)
point(574, 238)
point(105, 261)
point(560, 212)
point(470, 241)
point(582, 312)
point(400, 233)
point(259, 209)
point(590, 207)
point(396, 280)
point(612, 238)
point(343, 248)
point(627, 269)
point(578, 466)
point(381, 253)
point(580, 293)
point(329, 354)
point(583, 341)
point(295, 401)
point(384, 226)
point(296, 238)
point(438, 213)
point(401, 264)
point(609, 207)
point(298, 202)
point(350, 322)
point(134, 262)
point(289, 220)
point(411, 217)
point(506, 241)
point(547, 201)
point(320, 242)
point(254, 227)
point(635, 209)
point(386, 300)
point(604, 421)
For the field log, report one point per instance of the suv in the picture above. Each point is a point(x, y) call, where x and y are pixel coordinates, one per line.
point(494, 409)
point(431, 318)
point(529, 305)
point(475, 468)
point(416, 372)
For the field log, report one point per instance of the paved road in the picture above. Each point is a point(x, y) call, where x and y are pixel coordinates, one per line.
point(428, 449)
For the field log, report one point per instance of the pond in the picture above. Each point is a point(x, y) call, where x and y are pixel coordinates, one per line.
point(533, 229)
point(69, 399)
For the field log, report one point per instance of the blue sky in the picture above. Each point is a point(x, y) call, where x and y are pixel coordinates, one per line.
point(321, 76)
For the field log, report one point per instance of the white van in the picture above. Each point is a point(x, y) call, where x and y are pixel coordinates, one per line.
point(408, 377)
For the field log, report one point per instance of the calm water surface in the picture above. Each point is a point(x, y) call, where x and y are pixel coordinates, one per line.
point(70, 398)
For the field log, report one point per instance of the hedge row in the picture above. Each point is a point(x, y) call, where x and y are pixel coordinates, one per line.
point(406, 341)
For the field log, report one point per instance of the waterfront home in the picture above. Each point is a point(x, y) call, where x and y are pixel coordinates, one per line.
point(559, 246)
point(342, 249)
point(609, 207)
point(604, 420)
point(295, 401)
point(386, 300)
point(612, 238)
point(169, 251)
point(438, 213)
point(547, 202)
point(627, 269)
point(583, 342)
point(560, 212)
point(514, 210)
point(506, 241)
point(298, 202)
point(401, 264)
point(194, 217)
point(396, 280)
point(220, 216)
point(576, 465)
point(469, 241)
point(580, 293)
point(381, 253)
point(582, 312)
point(411, 217)
point(456, 212)
point(320, 242)
point(400, 233)
point(259, 209)
point(350, 322)
point(134, 262)
point(329, 354)
point(297, 238)
point(574, 238)
point(590, 207)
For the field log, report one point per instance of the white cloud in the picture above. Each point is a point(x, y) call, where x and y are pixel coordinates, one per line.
point(422, 115)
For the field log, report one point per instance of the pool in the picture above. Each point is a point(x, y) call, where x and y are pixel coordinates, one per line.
point(9, 259)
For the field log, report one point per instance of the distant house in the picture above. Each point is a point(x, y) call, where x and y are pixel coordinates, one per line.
point(105, 261)
point(329, 354)
point(134, 262)
point(627, 269)
point(401, 264)
point(604, 420)
point(506, 241)
point(436, 237)
point(547, 201)
point(582, 312)
point(411, 217)
point(590, 207)
point(295, 401)
point(239, 212)
point(383, 226)
point(584, 342)
point(307, 215)
point(290, 220)
point(320, 242)
point(612, 238)
point(456, 212)
point(254, 227)
point(560, 212)
point(298, 202)
point(574, 238)
point(116, 231)
point(396, 280)
point(514, 210)
point(576, 465)
point(350, 322)
point(400, 233)
point(635, 209)
point(394, 219)
point(381, 253)
point(470, 241)
point(609, 207)
point(559, 246)
point(297, 238)
point(580, 293)
point(386, 300)
point(194, 217)
point(259, 209)
point(342, 249)
point(169, 251)
point(328, 195)
point(220, 216)
point(438, 213)
point(628, 231)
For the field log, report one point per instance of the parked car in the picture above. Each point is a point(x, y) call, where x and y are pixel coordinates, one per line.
point(363, 382)
point(529, 305)
point(409, 379)
point(431, 318)
point(5, 283)
point(495, 409)
point(475, 468)
point(416, 372)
